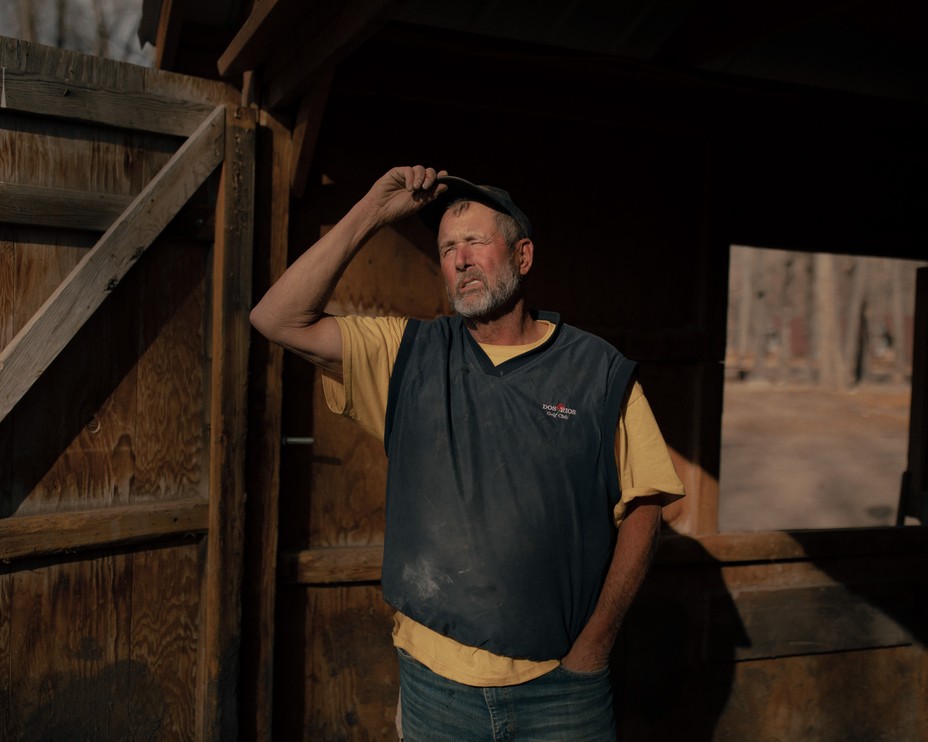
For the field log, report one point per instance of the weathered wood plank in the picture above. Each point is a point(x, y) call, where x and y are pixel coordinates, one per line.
point(170, 442)
point(69, 680)
point(262, 465)
point(59, 207)
point(29, 93)
point(164, 633)
point(337, 564)
point(170, 23)
point(43, 337)
point(64, 84)
point(771, 546)
point(6, 654)
point(217, 700)
point(306, 134)
point(808, 620)
point(257, 37)
point(36, 535)
point(47, 62)
point(348, 642)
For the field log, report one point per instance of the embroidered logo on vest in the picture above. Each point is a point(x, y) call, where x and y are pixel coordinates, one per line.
point(560, 410)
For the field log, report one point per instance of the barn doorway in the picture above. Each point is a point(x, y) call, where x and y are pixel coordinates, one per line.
point(817, 390)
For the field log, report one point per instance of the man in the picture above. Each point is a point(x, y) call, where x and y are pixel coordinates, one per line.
point(516, 444)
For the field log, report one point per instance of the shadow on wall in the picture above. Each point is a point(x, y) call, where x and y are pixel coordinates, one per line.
point(664, 687)
point(823, 648)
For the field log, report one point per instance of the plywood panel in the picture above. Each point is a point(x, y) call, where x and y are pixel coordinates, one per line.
point(71, 155)
point(391, 276)
point(170, 446)
point(6, 667)
point(68, 630)
point(108, 644)
point(102, 648)
point(164, 635)
point(128, 396)
point(354, 683)
point(853, 697)
point(697, 656)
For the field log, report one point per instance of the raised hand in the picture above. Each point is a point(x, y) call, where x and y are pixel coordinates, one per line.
point(403, 191)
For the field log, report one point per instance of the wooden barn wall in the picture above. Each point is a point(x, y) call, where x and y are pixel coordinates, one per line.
point(103, 632)
point(637, 184)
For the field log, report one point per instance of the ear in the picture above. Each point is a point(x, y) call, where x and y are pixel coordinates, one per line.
point(525, 254)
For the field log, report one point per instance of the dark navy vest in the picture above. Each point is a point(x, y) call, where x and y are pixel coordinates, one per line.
point(500, 486)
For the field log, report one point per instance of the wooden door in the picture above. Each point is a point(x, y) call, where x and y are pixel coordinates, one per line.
point(337, 676)
point(125, 253)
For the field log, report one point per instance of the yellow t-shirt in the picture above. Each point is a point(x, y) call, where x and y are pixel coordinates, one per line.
point(369, 349)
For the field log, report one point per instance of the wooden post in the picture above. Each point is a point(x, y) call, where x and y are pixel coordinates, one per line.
point(262, 474)
point(220, 611)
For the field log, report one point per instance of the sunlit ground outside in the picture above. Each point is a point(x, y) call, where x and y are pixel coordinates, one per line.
point(803, 457)
point(817, 391)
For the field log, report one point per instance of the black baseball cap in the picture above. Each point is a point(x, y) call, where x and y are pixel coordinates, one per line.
point(496, 198)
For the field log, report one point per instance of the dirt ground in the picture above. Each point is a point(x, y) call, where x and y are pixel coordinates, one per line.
point(801, 457)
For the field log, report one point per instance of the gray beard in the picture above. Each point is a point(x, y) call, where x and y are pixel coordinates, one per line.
point(490, 298)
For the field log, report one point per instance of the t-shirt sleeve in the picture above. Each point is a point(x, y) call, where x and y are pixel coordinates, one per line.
point(369, 348)
point(645, 466)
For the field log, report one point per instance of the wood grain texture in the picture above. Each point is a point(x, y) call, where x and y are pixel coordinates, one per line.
point(354, 665)
point(170, 445)
point(58, 207)
point(129, 395)
point(339, 564)
point(6, 667)
point(350, 676)
point(43, 337)
point(217, 686)
point(57, 154)
point(66, 533)
point(262, 465)
point(165, 632)
point(69, 677)
point(103, 460)
point(61, 84)
point(349, 466)
point(102, 648)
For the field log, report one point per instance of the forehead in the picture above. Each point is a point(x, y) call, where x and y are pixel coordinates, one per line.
point(467, 215)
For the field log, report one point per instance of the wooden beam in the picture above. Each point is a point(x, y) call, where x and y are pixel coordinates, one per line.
point(259, 35)
point(170, 24)
point(820, 618)
point(768, 547)
point(141, 111)
point(262, 463)
point(40, 206)
point(913, 499)
point(41, 535)
point(43, 337)
point(217, 681)
point(59, 207)
point(306, 134)
point(317, 46)
point(324, 566)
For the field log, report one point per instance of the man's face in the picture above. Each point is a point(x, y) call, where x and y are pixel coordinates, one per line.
point(482, 272)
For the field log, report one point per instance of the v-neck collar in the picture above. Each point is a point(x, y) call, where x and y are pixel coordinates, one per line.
point(513, 364)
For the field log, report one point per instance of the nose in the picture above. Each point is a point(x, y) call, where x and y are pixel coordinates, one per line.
point(462, 257)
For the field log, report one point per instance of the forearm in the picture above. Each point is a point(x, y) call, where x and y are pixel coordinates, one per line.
point(631, 559)
point(298, 298)
point(292, 312)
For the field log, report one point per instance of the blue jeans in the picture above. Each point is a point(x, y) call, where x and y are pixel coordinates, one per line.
point(561, 706)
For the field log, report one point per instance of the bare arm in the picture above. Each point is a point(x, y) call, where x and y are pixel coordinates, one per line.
point(631, 558)
point(292, 312)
